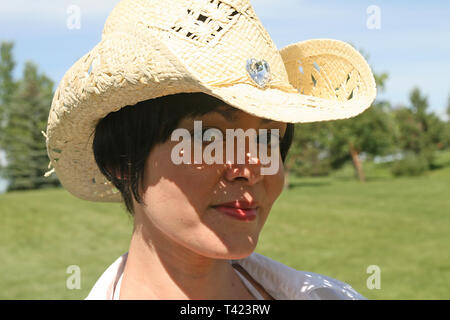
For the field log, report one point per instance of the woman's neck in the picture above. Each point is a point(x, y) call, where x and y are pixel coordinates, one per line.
point(160, 269)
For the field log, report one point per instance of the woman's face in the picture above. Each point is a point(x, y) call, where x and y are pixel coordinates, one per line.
point(179, 199)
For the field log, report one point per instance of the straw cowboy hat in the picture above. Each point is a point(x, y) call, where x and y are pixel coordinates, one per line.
point(153, 48)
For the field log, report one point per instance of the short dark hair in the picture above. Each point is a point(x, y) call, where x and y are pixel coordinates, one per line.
point(123, 139)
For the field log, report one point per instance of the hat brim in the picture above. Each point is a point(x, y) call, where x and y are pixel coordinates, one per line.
point(333, 82)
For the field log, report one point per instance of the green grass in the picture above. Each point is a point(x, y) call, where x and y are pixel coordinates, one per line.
point(43, 232)
point(333, 225)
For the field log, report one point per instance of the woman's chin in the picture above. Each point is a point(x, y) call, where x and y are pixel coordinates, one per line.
point(233, 251)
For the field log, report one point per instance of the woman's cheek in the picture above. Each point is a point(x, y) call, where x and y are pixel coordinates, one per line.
point(275, 183)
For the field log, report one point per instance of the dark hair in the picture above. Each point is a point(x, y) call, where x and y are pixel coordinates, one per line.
point(123, 139)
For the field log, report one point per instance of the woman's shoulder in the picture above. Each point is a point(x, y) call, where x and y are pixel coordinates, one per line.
point(286, 283)
point(105, 286)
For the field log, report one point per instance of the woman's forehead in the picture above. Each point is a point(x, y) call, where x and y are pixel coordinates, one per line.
point(232, 114)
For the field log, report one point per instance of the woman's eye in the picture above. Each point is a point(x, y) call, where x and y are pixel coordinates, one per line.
point(208, 135)
point(211, 134)
point(269, 138)
point(214, 134)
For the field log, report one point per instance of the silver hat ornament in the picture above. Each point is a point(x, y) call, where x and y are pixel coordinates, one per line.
point(259, 71)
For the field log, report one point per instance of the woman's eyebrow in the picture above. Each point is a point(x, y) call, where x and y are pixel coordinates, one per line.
point(230, 114)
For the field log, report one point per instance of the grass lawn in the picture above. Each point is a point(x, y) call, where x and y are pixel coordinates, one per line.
point(333, 225)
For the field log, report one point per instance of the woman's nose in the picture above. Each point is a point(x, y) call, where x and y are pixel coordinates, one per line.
point(250, 170)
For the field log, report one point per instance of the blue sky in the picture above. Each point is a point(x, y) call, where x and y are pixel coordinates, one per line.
point(412, 44)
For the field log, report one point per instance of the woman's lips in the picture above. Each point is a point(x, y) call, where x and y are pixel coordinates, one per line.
point(247, 214)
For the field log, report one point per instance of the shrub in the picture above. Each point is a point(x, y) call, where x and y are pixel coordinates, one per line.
point(410, 165)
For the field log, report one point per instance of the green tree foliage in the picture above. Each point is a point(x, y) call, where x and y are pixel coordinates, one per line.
point(308, 155)
point(448, 109)
point(380, 80)
point(421, 131)
point(321, 147)
point(7, 84)
point(24, 143)
point(372, 132)
point(446, 142)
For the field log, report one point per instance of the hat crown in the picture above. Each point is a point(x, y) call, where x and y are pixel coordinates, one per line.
point(163, 13)
point(222, 34)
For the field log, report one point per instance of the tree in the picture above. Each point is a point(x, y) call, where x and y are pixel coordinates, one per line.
point(7, 88)
point(7, 83)
point(24, 143)
point(448, 108)
point(308, 155)
point(409, 131)
point(319, 147)
point(421, 132)
point(446, 142)
point(372, 132)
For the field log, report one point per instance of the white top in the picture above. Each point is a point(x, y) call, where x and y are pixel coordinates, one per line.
point(250, 287)
point(280, 281)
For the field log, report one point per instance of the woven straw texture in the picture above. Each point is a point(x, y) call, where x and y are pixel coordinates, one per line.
point(152, 48)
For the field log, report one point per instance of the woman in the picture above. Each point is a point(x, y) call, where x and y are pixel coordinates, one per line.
point(161, 70)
